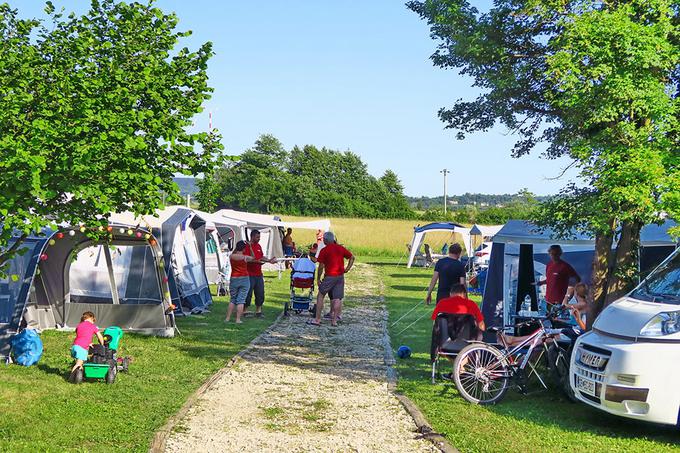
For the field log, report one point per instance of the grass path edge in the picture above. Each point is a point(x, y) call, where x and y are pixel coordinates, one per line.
point(161, 436)
point(422, 425)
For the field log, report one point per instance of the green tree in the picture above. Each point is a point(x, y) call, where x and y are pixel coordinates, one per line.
point(598, 82)
point(94, 113)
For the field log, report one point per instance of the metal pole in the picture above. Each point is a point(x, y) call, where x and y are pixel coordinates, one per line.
point(445, 172)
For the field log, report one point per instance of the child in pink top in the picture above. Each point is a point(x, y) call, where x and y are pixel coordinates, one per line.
point(84, 332)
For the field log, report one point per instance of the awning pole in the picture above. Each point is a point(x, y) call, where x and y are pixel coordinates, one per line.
point(112, 278)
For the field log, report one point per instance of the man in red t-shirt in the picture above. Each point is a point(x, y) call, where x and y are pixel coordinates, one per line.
point(254, 249)
point(458, 304)
point(331, 261)
point(558, 278)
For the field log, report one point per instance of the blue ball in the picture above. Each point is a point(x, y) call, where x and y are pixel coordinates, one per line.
point(404, 352)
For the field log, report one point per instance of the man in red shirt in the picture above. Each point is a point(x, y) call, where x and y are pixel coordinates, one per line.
point(331, 261)
point(458, 304)
point(254, 249)
point(558, 278)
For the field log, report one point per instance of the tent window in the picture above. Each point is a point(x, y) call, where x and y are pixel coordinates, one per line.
point(134, 273)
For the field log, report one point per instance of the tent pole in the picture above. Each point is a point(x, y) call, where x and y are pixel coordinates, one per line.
point(112, 278)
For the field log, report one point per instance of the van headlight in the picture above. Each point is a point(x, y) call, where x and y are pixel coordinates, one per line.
point(664, 323)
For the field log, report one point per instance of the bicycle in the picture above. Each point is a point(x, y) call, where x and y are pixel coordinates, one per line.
point(483, 372)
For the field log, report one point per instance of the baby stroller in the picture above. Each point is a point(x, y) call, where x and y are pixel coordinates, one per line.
point(302, 281)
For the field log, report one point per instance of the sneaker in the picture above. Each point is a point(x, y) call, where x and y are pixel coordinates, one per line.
point(448, 377)
point(259, 315)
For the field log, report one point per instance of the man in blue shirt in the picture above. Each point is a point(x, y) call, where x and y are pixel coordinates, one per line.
point(448, 271)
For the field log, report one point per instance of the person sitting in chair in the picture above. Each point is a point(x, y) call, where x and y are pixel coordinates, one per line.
point(458, 304)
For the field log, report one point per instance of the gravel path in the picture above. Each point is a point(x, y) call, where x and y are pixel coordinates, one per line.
point(304, 388)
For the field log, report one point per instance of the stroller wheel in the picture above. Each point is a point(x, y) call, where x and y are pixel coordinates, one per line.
point(76, 376)
point(298, 311)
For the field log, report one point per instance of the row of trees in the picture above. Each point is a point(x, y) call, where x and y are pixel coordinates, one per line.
point(599, 82)
point(306, 180)
point(479, 200)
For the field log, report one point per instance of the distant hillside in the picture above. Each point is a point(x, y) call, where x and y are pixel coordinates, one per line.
point(469, 199)
point(187, 186)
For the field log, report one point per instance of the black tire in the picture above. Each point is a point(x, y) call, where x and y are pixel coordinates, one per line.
point(111, 375)
point(76, 376)
point(481, 374)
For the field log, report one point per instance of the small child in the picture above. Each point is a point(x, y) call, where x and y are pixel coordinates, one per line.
point(81, 344)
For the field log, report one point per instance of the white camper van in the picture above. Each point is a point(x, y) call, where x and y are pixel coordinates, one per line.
point(629, 364)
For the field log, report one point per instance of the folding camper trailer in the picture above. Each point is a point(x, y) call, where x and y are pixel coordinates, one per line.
point(57, 275)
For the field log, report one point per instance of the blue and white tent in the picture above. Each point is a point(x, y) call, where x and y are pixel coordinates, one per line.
point(182, 236)
point(419, 233)
point(520, 253)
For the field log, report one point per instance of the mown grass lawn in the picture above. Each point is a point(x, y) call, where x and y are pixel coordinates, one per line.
point(41, 411)
point(544, 421)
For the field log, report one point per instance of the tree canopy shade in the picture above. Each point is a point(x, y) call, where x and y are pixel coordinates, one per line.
point(597, 82)
point(303, 181)
point(94, 114)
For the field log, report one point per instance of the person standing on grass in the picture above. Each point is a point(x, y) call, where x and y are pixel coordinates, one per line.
point(239, 283)
point(448, 271)
point(331, 261)
point(559, 276)
point(254, 250)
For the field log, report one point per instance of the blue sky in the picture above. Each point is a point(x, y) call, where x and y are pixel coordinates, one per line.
point(348, 75)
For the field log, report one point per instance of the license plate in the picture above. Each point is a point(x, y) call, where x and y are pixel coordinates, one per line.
point(585, 385)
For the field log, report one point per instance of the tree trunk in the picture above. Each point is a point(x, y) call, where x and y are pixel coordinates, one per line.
point(625, 267)
point(601, 267)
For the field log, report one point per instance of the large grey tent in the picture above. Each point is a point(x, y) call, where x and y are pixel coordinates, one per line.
point(60, 274)
point(182, 235)
point(519, 256)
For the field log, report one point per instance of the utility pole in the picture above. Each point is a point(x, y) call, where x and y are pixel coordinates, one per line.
point(445, 172)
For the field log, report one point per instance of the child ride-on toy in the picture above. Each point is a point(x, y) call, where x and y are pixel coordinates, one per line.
point(102, 362)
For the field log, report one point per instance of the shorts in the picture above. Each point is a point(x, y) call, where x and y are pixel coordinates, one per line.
point(288, 250)
point(256, 289)
point(78, 352)
point(238, 290)
point(334, 284)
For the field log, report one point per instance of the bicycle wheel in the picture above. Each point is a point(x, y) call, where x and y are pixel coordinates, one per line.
point(481, 374)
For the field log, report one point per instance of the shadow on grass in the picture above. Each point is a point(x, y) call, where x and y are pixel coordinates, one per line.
point(61, 372)
point(423, 276)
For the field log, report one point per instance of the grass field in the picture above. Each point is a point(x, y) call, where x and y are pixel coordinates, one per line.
point(41, 411)
point(373, 237)
point(544, 421)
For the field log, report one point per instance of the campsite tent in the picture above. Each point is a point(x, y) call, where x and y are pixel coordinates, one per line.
point(182, 236)
point(520, 253)
point(271, 228)
point(61, 274)
point(221, 235)
point(419, 233)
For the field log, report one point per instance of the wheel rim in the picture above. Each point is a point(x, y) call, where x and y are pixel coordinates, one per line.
point(481, 375)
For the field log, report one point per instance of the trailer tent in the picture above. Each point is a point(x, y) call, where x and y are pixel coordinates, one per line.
point(520, 253)
point(182, 236)
point(419, 233)
point(61, 274)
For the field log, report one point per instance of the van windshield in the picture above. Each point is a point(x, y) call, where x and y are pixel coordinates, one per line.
point(663, 285)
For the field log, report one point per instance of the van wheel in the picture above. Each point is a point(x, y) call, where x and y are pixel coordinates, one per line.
point(111, 375)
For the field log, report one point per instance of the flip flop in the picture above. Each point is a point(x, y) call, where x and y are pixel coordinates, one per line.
point(312, 322)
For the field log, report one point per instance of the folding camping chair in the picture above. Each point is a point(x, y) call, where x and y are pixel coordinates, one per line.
point(450, 334)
